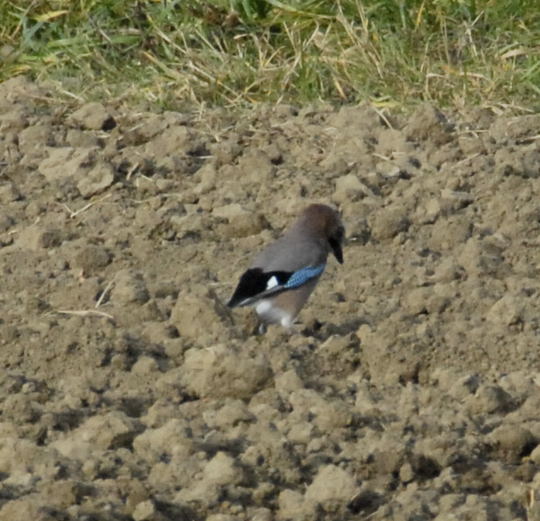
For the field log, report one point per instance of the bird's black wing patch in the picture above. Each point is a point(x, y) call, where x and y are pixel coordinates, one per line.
point(255, 283)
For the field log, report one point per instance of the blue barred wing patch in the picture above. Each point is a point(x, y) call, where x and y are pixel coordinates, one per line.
point(300, 277)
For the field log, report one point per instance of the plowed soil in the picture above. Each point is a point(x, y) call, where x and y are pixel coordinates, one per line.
point(409, 389)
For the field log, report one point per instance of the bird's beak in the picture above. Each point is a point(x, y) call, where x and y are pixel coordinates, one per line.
point(337, 249)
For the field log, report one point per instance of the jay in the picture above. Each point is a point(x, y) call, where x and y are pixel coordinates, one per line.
point(283, 275)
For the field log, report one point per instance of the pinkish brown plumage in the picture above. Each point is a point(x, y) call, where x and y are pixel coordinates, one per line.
point(283, 275)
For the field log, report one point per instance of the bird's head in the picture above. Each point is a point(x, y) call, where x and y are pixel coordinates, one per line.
point(326, 223)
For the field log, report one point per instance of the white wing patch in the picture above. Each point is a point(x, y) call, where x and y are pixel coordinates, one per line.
point(272, 282)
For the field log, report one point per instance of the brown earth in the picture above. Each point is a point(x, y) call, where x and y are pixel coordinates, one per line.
point(410, 389)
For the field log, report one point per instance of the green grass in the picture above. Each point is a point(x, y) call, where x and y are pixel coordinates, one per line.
point(396, 53)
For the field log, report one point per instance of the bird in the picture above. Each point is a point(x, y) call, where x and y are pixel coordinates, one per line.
point(283, 275)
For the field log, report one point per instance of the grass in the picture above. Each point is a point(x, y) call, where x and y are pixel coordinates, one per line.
point(173, 53)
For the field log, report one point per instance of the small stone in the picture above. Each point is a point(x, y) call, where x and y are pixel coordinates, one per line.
point(389, 458)
point(93, 116)
point(145, 366)
point(512, 442)
point(332, 488)
point(81, 139)
point(223, 470)
point(416, 300)
point(100, 177)
point(463, 387)
point(387, 223)
point(291, 505)
point(431, 211)
point(189, 225)
point(174, 437)
point(449, 502)
point(428, 123)
point(177, 139)
point(406, 473)
point(288, 382)
point(232, 413)
point(261, 514)
point(101, 432)
point(129, 287)
point(65, 162)
point(514, 127)
point(508, 311)
point(144, 510)
point(200, 317)
point(241, 222)
point(35, 136)
point(207, 175)
point(448, 233)
point(457, 195)
point(34, 237)
point(301, 432)
point(349, 188)
point(219, 371)
point(147, 511)
point(92, 259)
point(9, 193)
point(490, 399)
point(471, 145)
point(20, 509)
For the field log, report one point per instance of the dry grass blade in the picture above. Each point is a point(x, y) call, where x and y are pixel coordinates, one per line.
point(85, 313)
point(104, 293)
point(75, 213)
